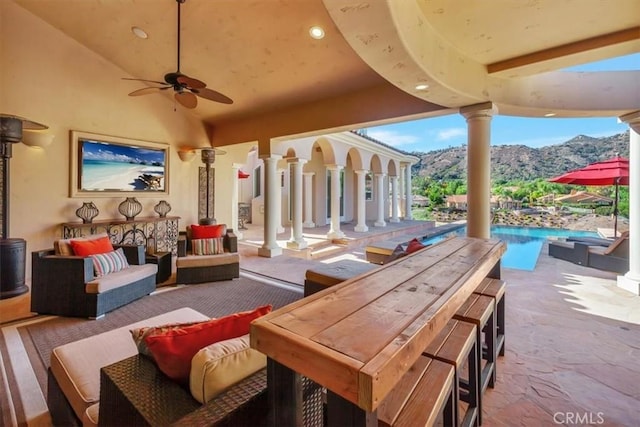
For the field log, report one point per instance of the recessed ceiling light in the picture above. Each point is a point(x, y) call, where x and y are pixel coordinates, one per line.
point(550, 114)
point(316, 32)
point(139, 32)
point(422, 86)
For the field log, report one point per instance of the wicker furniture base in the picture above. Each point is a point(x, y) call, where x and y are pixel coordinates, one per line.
point(134, 392)
point(207, 274)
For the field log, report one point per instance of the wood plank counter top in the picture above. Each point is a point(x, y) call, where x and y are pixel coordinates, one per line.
point(359, 337)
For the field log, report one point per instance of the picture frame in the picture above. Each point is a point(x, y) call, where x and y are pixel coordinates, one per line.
point(111, 166)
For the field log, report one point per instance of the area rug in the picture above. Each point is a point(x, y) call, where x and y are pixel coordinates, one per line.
point(25, 347)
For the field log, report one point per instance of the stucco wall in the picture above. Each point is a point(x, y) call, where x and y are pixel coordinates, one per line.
point(49, 78)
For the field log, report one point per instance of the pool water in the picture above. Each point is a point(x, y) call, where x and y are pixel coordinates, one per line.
point(523, 243)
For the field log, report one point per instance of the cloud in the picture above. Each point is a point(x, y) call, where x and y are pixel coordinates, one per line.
point(392, 138)
point(450, 133)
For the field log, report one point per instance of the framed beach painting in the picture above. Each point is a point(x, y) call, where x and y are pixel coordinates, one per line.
point(108, 166)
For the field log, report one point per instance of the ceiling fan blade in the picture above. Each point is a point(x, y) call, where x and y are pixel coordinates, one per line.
point(146, 81)
point(147, 90)
point(191, 82)
point(212, 95)
point(186, 99)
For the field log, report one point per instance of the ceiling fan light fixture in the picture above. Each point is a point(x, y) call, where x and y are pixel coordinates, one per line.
point(186, 89)
point(316, 32)
point(139, 32)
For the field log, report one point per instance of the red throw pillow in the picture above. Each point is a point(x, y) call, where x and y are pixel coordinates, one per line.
point(206, 231)
point(91, 247)
point(414, 245)
point(174, 349)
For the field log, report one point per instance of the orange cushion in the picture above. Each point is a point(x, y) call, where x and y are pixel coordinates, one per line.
point(174, 349)
point(206, 231)
point(91, 247)
point(414, 245)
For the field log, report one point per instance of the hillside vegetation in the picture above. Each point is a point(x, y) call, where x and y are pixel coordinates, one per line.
point(511, 163)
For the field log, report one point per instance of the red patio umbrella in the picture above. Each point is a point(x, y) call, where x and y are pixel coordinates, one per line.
point(614, 171)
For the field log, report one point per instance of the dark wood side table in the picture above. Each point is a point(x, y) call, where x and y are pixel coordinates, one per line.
point(163, 260)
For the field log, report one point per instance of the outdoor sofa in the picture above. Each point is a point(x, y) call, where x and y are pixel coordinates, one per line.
point(65, 284)
point(193, 266)
point(614, 257)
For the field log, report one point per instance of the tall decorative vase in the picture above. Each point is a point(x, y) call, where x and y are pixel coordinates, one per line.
point(130, 208)
point(162, 208)
point(87, 212)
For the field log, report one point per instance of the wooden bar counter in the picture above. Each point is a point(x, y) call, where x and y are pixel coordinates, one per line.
point(359, 337)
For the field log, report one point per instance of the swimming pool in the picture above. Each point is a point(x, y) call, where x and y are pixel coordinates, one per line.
point(523, 243)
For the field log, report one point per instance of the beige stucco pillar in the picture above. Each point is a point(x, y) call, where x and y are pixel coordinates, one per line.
point(308, 200)
point(334, 230)
point(408, 200)
point(631, 280)
point(380, 198)
point(361, 226)
point(270, 246)
point(479, 168)
point(235, 167)
point(297, 240)
point(278, 201)
point(394, 199)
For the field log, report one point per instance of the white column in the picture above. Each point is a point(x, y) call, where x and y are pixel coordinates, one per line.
point(394, 199)
point(334, 230)
point(308, 200)
point(296, 241)
point(235, 197)
point(401, 199)
point(631, 280)
point(270, 246)
point(408, 215)
point(380, 197)
point(361, 227)
point(479, 168)
point(278, 201)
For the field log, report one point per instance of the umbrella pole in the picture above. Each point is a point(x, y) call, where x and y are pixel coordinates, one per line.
point(615, 213)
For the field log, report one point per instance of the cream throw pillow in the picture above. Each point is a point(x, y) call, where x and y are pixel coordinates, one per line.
point(220, 365)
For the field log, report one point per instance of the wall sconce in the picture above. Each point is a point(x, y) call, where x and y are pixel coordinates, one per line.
point(37, 139)
point(186, 155)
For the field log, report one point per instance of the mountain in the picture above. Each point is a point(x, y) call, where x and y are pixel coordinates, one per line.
point(519, 162)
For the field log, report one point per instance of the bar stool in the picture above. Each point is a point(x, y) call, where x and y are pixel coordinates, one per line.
point(424, 393)
point(456, 345)
point(480, 310)
point(495, 289)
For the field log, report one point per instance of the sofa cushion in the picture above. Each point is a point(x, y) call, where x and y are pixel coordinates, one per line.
point(414, 245)
point(120, 278)
point(174, 350)
point(210, 246)
point(207, 231)
point(218, 366)
point(109, 262)
point(91, 247)
point(208, 260)
point(63, 246)
point(140, 334)
point(76, 365)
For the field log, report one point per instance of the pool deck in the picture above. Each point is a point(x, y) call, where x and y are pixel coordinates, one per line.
point(572, 343)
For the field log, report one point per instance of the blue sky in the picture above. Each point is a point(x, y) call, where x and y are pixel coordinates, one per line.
point(451, 131)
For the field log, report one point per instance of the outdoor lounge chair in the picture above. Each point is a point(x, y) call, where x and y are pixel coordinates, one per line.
point(614, 257)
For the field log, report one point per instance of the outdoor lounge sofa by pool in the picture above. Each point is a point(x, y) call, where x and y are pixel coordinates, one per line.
point(614, 257)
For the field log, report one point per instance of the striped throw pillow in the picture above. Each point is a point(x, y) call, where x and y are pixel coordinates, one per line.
point(109, 262)
point(211, 246)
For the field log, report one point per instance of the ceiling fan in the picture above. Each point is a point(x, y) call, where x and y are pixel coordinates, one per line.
point(186, 89)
